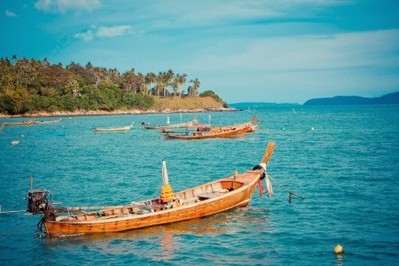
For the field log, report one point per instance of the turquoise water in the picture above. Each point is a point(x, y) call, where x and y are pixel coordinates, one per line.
point(347, 169)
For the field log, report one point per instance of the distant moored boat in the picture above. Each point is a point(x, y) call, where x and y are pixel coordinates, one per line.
point(113, 129)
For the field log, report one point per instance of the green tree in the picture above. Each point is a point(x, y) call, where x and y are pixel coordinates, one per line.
point(178, 82)
point(6, 75)
point(71, 88)
point(210, 93)
point(168, 78)
point(193, 89)
point(7, 105)
point(150, 79)
point(22, 100)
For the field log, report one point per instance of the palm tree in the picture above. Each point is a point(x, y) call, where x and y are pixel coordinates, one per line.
point(46, 62)
point(6, 74)
point(24, 66)
point(99, 74)
point(132, 81)
point(158, 88)
point(150, 78)
point(161, 83)
point(90, 70)
point(144, 89)
point(177, 82)
point(168, 79)
point(128, 79)
point(14, 57)
point(181, 81)
point(194, 88)
point(140, 82)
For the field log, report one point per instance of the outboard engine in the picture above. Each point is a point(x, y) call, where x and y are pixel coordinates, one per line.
point(37, 201)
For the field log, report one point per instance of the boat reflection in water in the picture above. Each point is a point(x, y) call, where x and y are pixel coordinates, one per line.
point(161, 243)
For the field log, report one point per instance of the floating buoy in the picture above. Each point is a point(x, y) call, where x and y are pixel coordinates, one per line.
point(338, 249)
point(312, 128)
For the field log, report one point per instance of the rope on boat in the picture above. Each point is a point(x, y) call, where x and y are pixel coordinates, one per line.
point(269, 186)
point(40, 232)
point(291, 194)
point(13, 209)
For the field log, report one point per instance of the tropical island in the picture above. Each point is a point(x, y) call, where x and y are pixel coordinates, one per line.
point(31, 87)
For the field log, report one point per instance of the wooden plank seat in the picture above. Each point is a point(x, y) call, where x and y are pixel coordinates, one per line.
point(210, 195)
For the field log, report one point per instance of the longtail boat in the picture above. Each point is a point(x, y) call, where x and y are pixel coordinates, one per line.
point(200, 201)
point(220, 133)
point(251, 126)
point(230, 131)
point(22, 123)
point(168, 125)
point(114, 129)
point(47, 122)
point(32, 122)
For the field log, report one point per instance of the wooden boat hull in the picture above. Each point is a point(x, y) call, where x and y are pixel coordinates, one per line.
point(114, 129)
point(251, 126)
point(222, 133)
point(31, 122)
point(24, 123)
point(194, 203)
point(111, 129)
point(165, 127)
point(48, 122)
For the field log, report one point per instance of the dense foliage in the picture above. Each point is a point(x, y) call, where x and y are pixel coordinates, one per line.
point(34, 85)
point(214, 96)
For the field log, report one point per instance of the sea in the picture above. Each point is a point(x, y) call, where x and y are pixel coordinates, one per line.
point(340, 164)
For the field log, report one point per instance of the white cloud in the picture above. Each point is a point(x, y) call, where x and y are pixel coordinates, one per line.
point(10, 13)
point(61, 6)
point(306, 52)
point(209, 12)
point(109, 32)
point(103, 32)
point(302, 67)
point(85, 36)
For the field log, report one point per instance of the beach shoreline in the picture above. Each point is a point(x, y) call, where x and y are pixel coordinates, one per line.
point(117, 112)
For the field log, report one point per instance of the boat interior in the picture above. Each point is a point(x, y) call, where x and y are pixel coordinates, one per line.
point(180, 199)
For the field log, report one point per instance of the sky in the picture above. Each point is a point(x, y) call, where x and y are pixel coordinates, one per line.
point(283, 51)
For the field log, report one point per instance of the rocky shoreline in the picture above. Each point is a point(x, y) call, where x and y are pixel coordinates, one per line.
point(117, 112)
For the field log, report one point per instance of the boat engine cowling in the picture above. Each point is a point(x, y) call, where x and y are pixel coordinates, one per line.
point(37, 201)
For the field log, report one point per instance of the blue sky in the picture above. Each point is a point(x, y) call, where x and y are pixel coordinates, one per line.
point(271, 51)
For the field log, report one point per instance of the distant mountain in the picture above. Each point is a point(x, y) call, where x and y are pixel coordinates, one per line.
point(392, 98)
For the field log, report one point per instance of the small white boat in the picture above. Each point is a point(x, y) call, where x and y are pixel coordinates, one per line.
point(47, 122)
point(113, 129)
